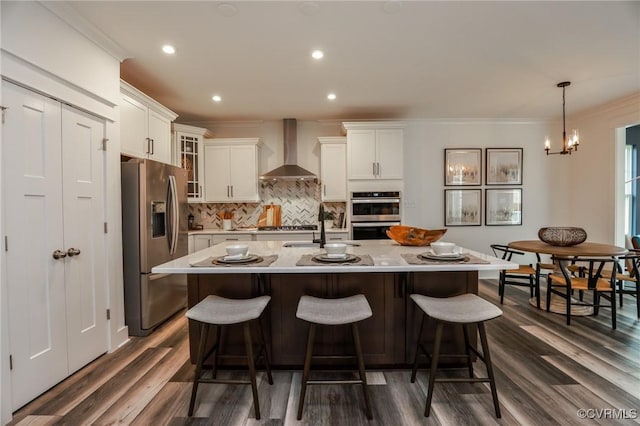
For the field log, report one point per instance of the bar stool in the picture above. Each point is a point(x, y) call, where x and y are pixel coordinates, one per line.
point(464, 310)
point(347, 310)
point(219, 311)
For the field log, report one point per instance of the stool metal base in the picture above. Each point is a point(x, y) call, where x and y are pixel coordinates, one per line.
point(484, 356)
point(307, 367)
point(251, 361)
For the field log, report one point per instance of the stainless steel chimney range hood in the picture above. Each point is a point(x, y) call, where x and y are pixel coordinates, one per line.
point(289, 171)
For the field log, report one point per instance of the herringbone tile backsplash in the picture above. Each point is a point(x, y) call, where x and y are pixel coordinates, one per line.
point(299, 201)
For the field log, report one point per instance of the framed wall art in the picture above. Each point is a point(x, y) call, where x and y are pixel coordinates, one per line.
point(504, 166)
point(503, 206)
point(462, 207)
point(462, 167)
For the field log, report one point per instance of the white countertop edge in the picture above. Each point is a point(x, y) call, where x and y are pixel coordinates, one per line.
point(385, 253)
point(255, 231)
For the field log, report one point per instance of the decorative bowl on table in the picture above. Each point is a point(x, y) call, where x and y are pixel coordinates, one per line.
point(412, 236)
point(562, 236)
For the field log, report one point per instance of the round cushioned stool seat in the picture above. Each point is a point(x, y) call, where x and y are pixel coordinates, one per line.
point(334, 311)
point(466, 308)
point(219, 310)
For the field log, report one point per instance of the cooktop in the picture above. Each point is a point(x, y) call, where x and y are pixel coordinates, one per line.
point(289, 228)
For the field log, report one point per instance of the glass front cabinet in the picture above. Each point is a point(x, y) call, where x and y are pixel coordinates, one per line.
point(188, 143)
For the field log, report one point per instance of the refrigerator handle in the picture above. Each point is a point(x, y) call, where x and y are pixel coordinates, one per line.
point(174, 222)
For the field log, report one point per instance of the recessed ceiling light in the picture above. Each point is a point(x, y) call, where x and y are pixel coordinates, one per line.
point(216, 98)
point(309, 8)
point(317, 54)
point(331, 96)
point(227, 9)
point(168, 49)
point(392, 6)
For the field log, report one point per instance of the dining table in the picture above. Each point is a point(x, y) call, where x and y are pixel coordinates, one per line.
point(566, 253)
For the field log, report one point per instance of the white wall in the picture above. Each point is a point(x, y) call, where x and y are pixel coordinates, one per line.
point(593, 169)
point(425, 142)
point(39, 48)
point(86, 77)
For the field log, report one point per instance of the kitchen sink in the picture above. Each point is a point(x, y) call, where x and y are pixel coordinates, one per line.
point(312, 244)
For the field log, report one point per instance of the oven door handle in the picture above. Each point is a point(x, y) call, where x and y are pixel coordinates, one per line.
point(367, 224)
point(375, 200)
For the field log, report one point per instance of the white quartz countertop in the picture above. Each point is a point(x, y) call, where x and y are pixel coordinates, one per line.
point(253, 231)
point(386, 255)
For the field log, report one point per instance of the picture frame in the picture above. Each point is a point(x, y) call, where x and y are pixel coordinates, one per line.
point(462, 207)
point(462, 166)
point(503, 166)
point(503, 206)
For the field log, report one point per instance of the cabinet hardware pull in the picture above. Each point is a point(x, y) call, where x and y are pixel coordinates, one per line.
point(59, 254)
point(228, 191)
point(73, 252)
point(231, 191)
point(378, 169)
point(153, 146)
point(374, 168)
point(148, 145)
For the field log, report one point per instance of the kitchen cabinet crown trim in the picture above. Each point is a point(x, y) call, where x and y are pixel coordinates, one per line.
point(351, 125)
point(332, 139)
point(184, 128)
point(233, 141)
point(129, 90)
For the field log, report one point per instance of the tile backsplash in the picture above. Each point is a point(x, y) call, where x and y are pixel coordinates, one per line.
point(300, 201)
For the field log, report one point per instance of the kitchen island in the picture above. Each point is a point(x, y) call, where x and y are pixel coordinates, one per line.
point(388, 337)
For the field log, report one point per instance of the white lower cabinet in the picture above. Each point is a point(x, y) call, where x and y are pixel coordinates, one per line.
point(54, 220)
point(286, 236)
point(199, 242)
point(337, 236)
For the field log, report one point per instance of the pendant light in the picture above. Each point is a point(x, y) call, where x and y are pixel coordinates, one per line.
point(571, 143)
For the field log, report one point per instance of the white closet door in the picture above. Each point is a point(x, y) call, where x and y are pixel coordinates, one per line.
point(83, 183)
point(33, 214)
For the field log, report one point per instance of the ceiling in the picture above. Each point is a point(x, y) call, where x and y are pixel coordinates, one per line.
point(383, 60)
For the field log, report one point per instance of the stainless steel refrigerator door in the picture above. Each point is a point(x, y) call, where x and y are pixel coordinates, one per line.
point(161, 295)
point(161, 214)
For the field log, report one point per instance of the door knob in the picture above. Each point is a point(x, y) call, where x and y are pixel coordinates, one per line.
point(73, 252)
point(59, 254)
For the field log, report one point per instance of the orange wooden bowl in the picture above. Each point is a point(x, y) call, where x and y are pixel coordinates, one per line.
point(412, 236)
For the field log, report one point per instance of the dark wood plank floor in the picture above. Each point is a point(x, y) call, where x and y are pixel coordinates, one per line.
point(546, 372)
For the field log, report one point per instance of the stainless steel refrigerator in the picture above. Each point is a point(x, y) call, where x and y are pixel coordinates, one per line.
point(154, 231)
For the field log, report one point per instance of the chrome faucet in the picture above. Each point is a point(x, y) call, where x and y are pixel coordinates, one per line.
point(323, 234)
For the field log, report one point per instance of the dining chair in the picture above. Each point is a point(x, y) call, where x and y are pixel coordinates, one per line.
point(627, 275)
point(591, 279)
point(523, 276)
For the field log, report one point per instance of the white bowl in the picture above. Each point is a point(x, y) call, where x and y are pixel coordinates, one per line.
point(335, 248)
point(442, 247)
point(239, 250)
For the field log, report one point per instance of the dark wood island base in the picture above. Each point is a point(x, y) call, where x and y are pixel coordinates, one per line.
point(388, 337)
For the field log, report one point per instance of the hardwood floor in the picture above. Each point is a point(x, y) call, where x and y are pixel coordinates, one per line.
point(546, 372)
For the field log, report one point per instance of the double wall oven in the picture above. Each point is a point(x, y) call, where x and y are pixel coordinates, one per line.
point(372, 213)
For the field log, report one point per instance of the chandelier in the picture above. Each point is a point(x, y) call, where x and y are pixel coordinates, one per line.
point(569, 144)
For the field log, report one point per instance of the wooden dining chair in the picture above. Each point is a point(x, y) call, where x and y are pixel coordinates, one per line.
point(591, 280)
point(523, 276)
point(627, 275)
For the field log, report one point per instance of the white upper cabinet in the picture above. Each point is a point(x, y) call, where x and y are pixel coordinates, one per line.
point(231, 170)
point(145, 126)
point(374, 150)
point(333, 168)
point(189, 149)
